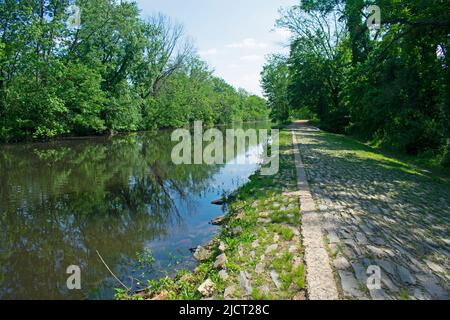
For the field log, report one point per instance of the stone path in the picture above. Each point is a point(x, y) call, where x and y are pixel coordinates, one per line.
point(378, 216)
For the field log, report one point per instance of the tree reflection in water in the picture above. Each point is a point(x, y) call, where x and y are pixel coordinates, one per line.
point(62, 201)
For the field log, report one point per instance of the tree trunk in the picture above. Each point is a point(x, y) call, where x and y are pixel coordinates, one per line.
point(355, 27)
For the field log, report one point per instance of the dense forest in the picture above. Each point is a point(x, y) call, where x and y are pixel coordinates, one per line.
point(387, 83)
point(114, 71)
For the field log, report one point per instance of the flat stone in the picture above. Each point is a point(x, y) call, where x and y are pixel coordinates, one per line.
point(187, 278)
point(379, 294)
point(221, 261)
point(432, 286)
point(346, 234)
point(218, 202)
point(379, 241)
point(222, 247)
point(332, 237)
point(223, 275)
point(348, 252)
point(296, 231)
point(237, 230)
point(433, 266)
point(229, 292)
point(361, 238)
point(387, 266)
point(244, 281)
point(341, 263)
point(360, 272)
point(350, 285)
point(202, 254)
point(240, 216)
point(366, 229)
point(377, 251)
point(386, 281)
point(240, 251)
point(271, 248)
point(405, 275)
point(265, 290)
point(421, 295)
point(218, 221)
point(207, 288)
point(297, 261)
point(260, 268)
point(275, 278)
point(374, 210)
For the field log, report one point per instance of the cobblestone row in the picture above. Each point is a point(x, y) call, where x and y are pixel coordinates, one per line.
point(377, 213)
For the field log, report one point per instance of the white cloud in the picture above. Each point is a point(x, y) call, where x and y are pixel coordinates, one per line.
point(208, 52)
point(249, 43)
point(251, 58)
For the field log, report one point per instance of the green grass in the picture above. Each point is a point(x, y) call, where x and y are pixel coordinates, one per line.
point(298, 276)
point(351, 147)
point(425, 165)
point(404, 295)
point(286, 233)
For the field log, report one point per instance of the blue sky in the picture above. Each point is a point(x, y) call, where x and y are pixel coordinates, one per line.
point(232, 36)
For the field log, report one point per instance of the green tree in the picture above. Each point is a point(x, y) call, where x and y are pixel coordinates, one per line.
point(389, 86)
point(275, 82)
point(114, 72)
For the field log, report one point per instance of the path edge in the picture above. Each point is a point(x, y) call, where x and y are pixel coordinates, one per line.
point(319, 274)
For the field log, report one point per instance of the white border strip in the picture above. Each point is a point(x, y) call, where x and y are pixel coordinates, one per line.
point(319, 275)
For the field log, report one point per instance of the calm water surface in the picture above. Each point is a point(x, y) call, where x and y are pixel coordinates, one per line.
point(62, 201)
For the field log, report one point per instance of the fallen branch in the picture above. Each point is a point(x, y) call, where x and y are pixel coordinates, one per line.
point(112, 273)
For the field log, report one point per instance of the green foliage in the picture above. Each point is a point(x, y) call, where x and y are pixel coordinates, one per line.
point(387, 86)
point(116, 72)
point(275, 82)
point(145, 258)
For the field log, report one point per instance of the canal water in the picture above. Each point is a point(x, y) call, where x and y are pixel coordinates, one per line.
point(62, 201)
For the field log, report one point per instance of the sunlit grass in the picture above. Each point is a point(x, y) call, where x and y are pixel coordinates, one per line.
point(352, 148)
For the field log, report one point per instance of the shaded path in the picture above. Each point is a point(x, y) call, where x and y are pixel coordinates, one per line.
point(378, 212)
